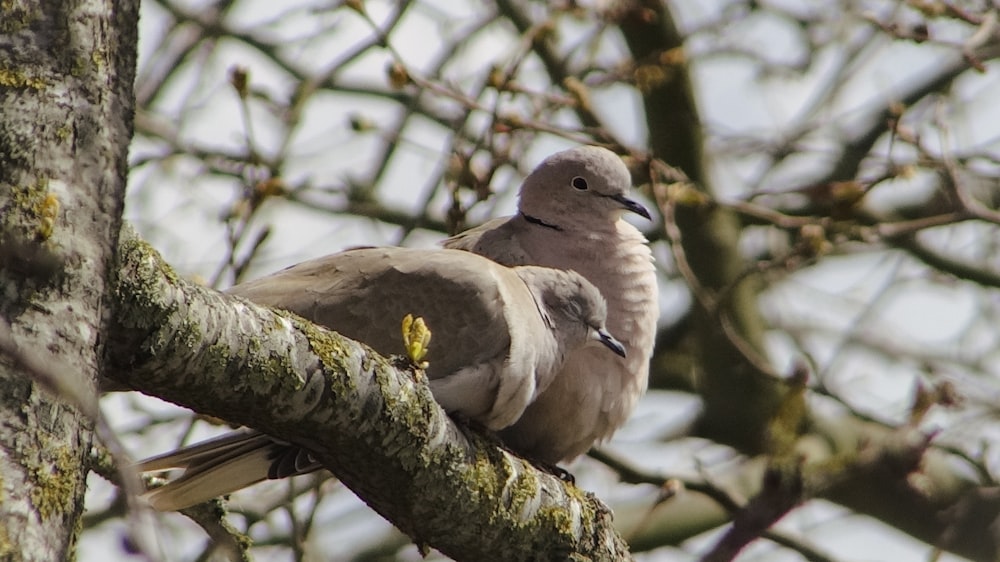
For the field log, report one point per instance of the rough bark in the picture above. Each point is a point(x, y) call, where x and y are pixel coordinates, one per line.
point(374, 426)
point(65, 124)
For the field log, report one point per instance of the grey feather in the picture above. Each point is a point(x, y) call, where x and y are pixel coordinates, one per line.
point(562, 226)
point(499, 337)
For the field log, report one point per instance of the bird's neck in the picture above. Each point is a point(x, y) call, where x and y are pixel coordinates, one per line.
point(552, 353)
point(539, 222)
point(567, 223)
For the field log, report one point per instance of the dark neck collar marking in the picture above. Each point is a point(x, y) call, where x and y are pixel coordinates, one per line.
point(540, 222)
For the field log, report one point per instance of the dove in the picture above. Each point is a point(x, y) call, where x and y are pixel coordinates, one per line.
point(570, 217)
point(499, 336)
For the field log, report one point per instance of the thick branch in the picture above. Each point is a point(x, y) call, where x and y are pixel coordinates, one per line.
point(372, 425)
point(737, 401)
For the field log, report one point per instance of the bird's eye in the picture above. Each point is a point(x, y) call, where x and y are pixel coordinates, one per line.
point(579, 183)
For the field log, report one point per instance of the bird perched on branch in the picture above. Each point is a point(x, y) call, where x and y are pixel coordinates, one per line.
point(500, 336)
point(569, 217)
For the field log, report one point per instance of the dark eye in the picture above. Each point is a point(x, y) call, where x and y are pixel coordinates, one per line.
point(579, 183)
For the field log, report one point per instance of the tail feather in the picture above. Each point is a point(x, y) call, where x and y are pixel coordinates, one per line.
point(217, 449)
point(221, 466)
point(194, 487)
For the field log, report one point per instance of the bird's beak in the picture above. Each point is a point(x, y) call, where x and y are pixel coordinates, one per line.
point(608, 340)
point(633, 206)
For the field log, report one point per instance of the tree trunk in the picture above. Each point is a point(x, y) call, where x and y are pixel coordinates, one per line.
point(65, 124)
